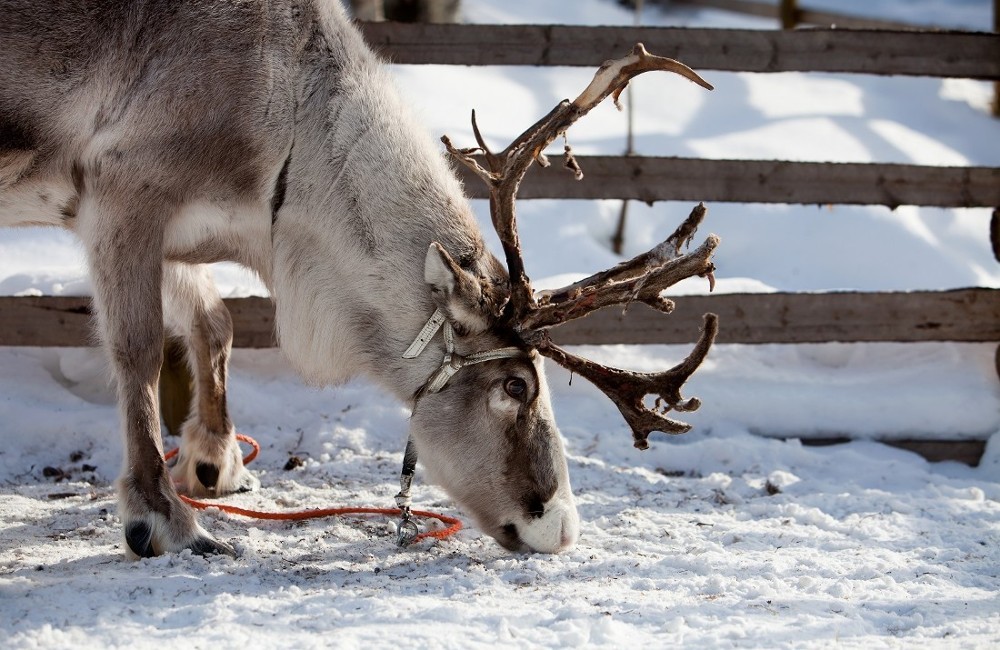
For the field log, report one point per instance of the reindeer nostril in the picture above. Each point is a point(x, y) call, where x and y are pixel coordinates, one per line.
point(534, 506)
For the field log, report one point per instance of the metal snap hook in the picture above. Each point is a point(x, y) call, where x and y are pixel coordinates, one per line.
point(407, 531)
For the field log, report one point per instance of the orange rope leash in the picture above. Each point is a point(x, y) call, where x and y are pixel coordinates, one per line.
point(454, 525)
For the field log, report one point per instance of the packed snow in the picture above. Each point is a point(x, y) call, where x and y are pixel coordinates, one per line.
point(736, 534)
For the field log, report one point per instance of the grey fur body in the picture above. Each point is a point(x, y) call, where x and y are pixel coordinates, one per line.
point(171, 134)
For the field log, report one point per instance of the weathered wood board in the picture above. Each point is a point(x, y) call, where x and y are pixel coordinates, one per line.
point(970, 315)
point(973, 55)
point(652, 179)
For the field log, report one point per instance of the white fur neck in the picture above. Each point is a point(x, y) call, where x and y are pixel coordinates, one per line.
point(350, 239)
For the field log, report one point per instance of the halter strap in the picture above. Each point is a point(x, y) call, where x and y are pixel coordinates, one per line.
point(452, 362)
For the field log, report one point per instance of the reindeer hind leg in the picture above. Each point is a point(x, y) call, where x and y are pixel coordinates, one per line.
point(210, 462)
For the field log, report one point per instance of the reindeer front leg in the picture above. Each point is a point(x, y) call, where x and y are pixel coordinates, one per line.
point(123, 233)
point(210, 462)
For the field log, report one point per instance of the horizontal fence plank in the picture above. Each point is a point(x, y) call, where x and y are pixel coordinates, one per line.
point(883, 52)
point(802, 15)
point(57, 321)
point(757, 181)
point(66, 321)
point(961, 315)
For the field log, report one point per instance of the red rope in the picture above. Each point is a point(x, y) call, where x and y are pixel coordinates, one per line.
point(454, 525)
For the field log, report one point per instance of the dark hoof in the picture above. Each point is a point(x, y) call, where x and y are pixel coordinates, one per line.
point(208, 474)
point(209, 546)
point(139, 537)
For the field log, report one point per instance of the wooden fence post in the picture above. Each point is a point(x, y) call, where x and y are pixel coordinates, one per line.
point(790, 13)
point(995, 220)
point(995, 233)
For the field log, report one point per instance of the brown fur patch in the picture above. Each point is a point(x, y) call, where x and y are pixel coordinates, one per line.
point(76, 174)
point(16, 133)
point(69, 209)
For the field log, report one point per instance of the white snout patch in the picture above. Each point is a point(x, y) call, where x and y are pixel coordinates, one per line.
point(555, 531)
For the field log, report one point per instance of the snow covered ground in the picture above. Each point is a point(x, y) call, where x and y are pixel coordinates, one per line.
point(719, 538)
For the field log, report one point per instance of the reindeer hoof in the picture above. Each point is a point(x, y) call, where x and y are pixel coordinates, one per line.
point(209, 546)
point(139, 537)
point(208, 474)
point(210, 466)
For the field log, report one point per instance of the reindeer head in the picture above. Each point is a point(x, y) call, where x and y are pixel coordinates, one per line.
point(482, 421)
point(515, 482)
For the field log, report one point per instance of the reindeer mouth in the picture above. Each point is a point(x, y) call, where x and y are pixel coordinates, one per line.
point(510, 539)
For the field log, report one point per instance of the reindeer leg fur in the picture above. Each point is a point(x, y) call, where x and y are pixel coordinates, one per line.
point(124, 245)
point(210, 462)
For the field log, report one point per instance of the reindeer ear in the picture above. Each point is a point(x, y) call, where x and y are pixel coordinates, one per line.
point(440, 270)
point(456, 292)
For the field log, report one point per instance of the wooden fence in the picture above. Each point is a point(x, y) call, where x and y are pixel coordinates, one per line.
point(790, 15)
point(971, 315)
point(883, 52)
point(968, 315)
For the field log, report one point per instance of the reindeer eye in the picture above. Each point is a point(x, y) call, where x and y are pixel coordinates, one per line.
point(516, 387)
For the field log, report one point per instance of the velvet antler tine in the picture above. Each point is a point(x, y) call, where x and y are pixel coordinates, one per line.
point(656, 257)
point(628, 389)
point(478, 135)
point(684, 233)
point(613, 76)
point(644, 282)
point(468, 158)
point(492, 160)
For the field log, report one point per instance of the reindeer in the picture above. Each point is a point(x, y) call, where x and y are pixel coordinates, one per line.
point(170, 135)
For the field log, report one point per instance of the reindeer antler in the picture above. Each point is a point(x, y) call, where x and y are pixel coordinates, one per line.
point(628, 389)
point(640, 279)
